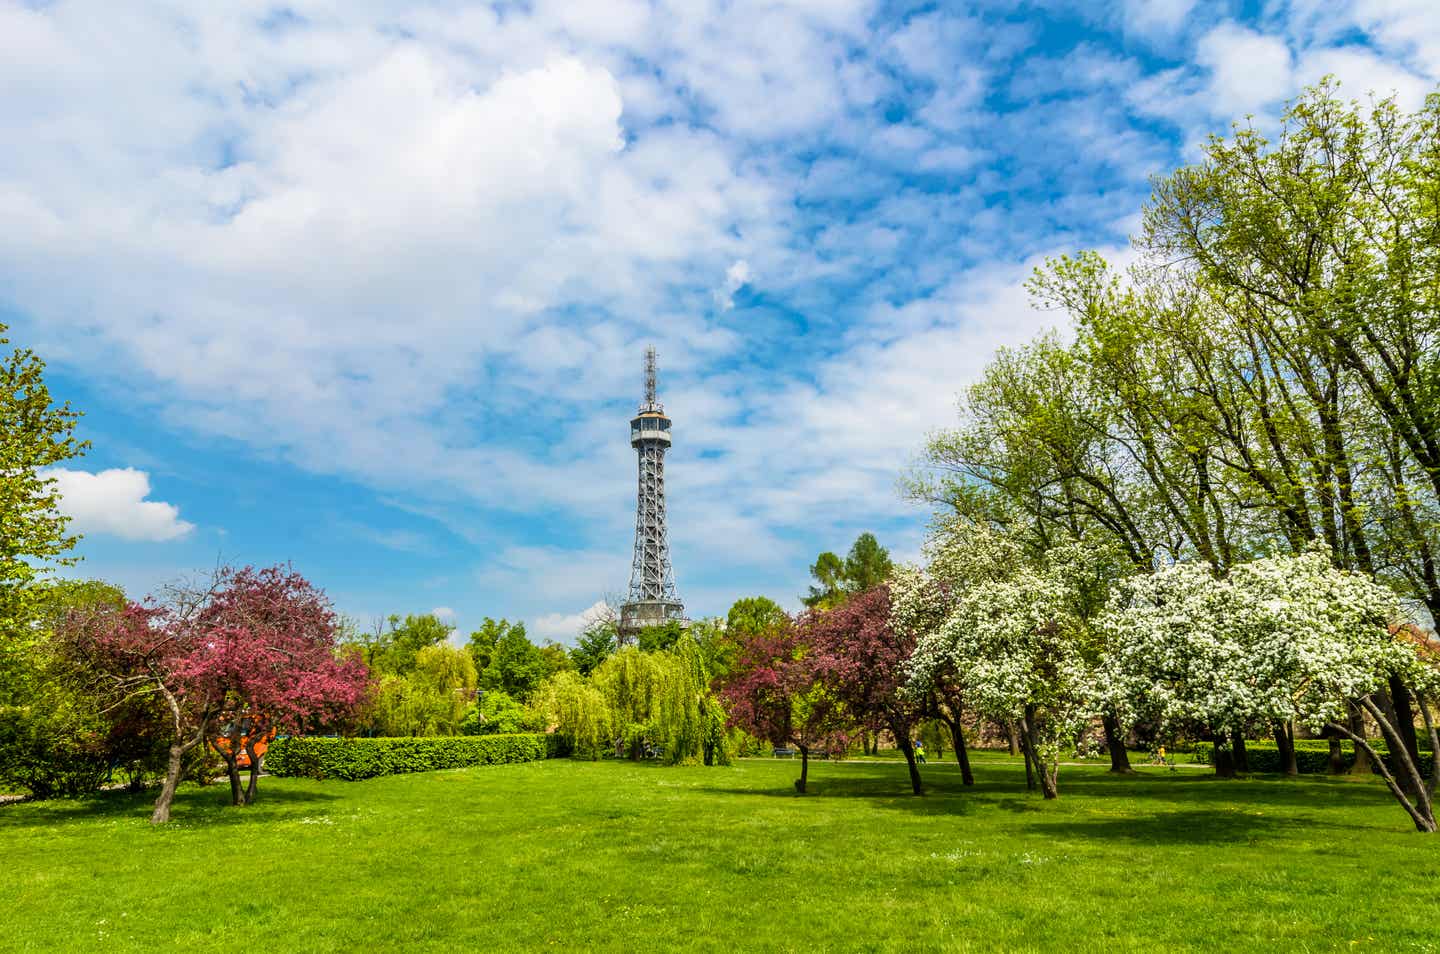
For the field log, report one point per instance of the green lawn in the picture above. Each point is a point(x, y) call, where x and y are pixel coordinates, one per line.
point(569, 855)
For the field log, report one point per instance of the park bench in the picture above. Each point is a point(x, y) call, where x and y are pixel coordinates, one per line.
point(785, 752)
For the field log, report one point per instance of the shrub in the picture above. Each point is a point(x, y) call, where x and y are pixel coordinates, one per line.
point(352, 759)
point(1312, 756)
point(51, 754)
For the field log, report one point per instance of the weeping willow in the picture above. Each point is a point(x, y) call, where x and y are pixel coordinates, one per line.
point(635, 702)
point(580, 712)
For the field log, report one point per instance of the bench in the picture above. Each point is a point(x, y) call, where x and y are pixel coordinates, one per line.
point(785, 752)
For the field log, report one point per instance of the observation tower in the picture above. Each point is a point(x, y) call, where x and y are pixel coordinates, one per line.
point(652, 600)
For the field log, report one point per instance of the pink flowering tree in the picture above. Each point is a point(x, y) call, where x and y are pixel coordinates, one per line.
point(772, 692)
point(861, 658)
point(251, 652)
point(266, 645)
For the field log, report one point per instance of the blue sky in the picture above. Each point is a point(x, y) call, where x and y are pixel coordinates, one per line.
point(365, 285)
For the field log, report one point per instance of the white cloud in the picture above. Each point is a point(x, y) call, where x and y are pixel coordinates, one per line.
point(113, 502)
point(736, 277)
point(444, 614)
point(1156, 19)
point(1248, 70)
point(1362, 73)
point(564, 627)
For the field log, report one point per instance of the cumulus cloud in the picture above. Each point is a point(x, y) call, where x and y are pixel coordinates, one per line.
point(443, 613)
point(565, 627)
point(1248, 69)
point(113, 502)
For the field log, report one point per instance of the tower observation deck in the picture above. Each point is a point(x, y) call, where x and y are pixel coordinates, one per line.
point(652, 600)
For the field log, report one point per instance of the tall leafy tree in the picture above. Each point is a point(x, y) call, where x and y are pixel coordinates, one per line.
point(594, 645)
point(866, 566)
point(517, 666)
point(829, 573)
point(35, 433)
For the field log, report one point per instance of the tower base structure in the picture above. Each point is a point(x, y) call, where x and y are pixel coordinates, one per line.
point(641, 614)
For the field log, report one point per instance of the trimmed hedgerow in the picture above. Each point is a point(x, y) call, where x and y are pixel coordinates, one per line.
point(352, 759)
point(1312, 756)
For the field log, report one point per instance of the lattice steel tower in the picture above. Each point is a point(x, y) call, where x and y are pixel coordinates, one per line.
point(652, 599)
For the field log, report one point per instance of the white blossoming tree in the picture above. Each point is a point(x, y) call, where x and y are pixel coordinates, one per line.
point(1006, 633)
point(1276, 639)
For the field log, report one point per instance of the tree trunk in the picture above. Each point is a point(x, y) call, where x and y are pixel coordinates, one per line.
point(1237, 745)
point(1047, 772)
point(161, 814)
point(1029, 755)
point(254, 772)
point(1224, 758)
point(804, 769)
point(1337, 754)
point(1362, 764)
point(908, 747)
point(1115, 742)
point(232, 770)
point(1422, 816)
point(1405, 767)
point(1013, 737)
point(1285, 742)
point(1434, 734)
point(962, 752)
point(1050, 780)
point(1404, 721)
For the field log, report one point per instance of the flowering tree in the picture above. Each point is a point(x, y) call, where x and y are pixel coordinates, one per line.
point(860, 657)
point(264, 643)
point(252, 652)
point(772, 692)
point(1012, 639)
point(919, 604)
point(1279, 639)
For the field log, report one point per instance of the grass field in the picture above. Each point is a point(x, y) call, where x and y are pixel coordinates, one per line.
point(615, 856)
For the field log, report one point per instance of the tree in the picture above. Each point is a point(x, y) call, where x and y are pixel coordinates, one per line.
point(580, 713)
point(773, 692)
point(1281, 638)
point(1016, 640)
point(517, 666)
point(829, 571)
point(557, 658)
point(34, 434)
point(919, 605)
point(497, 713)
point(598, 641)
point(866, 566)
point(861, 658)
point(484, 640)
point(265, 646)
point(57, 739)
point(655, 638)
point(251, 651)
point(750, 615)
point(393, 643)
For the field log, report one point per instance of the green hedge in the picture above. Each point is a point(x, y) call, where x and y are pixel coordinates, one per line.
point(352, 759)
point(1312, 756)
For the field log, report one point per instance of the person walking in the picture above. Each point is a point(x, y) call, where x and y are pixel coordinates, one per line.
point(920, 751)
